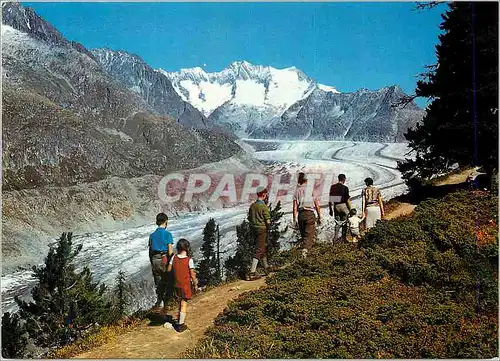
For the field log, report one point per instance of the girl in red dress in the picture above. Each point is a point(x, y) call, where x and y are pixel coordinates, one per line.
point(184, 273)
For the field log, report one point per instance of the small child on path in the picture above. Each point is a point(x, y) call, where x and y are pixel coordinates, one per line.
point(354, 221)
point(184, 273)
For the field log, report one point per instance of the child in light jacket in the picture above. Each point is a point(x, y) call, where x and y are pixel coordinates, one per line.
point(354, 220)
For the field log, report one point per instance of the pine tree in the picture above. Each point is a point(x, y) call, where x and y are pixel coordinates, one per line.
point(121, 296)
point(89, 302)
point(239, 264)
point(207, 267)
point(65, 302)
point(14, 338)
point(461, 124)
point(273, 243)
point(218, 252)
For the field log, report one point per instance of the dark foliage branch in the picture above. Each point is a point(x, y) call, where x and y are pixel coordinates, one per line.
point(461, 123)
point(427, 5)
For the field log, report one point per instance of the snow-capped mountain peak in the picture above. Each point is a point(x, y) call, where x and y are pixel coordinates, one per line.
point(195, 72)
point(327, 88)
point(241, 83)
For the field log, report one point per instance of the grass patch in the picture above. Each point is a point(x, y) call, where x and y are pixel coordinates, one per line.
point(98, 337)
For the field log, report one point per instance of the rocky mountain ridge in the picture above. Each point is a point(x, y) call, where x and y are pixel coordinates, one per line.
point(360, 116)
point(82, 115)
point(71, 131)
point(134, 74)
point(255, 101)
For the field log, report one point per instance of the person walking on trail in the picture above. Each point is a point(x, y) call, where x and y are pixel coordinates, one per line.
point(354, 220)
point(303, 213)
point(340, 205)
point(183, 269)
point(372, 204)
point(160, 249)
point(259, 218)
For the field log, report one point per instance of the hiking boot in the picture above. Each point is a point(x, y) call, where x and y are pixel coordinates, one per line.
point(156, 308)
point(181, 328)
point(253, 276)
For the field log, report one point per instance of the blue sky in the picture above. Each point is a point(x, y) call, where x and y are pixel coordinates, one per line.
point(346, 45)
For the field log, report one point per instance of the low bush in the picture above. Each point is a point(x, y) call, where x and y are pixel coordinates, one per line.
point(14, 340)
point(397, 296)
point(450, 244)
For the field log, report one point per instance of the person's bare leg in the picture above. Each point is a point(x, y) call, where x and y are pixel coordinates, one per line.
point(182, 311)
point(264, 262)
point(253, 268)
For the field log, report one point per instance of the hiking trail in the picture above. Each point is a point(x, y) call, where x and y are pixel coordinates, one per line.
point(403, 208)
point(157, 342)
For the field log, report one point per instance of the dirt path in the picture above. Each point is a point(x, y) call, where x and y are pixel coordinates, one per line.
point(455, 178)
point(400, 210)
point(157, 342)
point(407, 208)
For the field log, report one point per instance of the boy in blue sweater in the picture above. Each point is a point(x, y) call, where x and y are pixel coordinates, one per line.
point(160, 250)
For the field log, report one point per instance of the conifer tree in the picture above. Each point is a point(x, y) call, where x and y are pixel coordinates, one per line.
point(121, 296)
point(207, 267)
point(238, 264)
point(461, 124)
point(14, 338)
point(273, 239)
point(65, 302)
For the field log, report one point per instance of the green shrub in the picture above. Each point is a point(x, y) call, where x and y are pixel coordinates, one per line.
point(120, 297)
point(65, 302)
point(238, 265)
point(207, 269)
point(451, 244)
point(14, 340)
point(397, 296)
point(273, 240)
